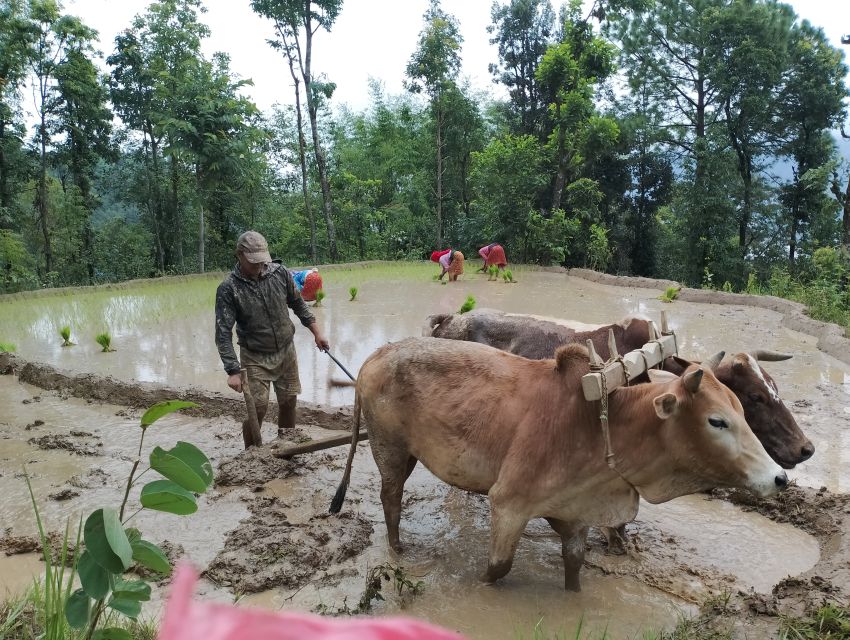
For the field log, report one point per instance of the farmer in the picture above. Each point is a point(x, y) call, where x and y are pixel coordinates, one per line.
point(493, 254)
point(451, 262)
point(308, 282)
point(256, 296)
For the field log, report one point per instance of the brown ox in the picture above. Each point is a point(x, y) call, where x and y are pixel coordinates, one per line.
point(520, 431)
point(537, 338)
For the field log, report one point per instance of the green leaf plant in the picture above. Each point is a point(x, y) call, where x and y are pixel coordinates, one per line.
point(112, 548)
point(353, 293)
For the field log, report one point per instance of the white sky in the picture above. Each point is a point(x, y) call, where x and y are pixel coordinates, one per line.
point(371, 38)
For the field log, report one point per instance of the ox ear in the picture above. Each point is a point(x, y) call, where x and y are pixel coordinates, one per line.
point(692, 380)
point(657, 375)
point(665, 405)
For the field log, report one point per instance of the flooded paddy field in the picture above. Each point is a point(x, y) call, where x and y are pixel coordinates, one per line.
point(263, 536)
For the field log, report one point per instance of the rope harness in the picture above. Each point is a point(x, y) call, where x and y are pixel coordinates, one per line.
point(603, 412)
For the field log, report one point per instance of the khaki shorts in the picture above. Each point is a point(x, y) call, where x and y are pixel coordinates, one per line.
point(279, 368)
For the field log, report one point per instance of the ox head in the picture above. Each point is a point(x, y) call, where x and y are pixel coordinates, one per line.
point(766, 414)
point(705, 441)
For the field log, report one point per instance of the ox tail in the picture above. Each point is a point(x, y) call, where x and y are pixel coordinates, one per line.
point(339, 496)
point(434, 321)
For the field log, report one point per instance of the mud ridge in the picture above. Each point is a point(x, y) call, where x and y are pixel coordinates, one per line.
point(143, 394)
point(831, 338)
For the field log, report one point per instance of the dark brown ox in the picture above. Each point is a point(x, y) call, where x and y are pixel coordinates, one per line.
point(537, 338)
point(520, 431)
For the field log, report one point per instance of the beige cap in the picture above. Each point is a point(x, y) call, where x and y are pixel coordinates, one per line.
point(254, 247)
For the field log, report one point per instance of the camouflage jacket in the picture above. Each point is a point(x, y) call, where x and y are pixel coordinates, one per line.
point(260, 310)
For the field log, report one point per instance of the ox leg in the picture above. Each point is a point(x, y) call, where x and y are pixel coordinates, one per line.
point(393, 477)
point(573, 539)
point(506, 528)
point(616, 539)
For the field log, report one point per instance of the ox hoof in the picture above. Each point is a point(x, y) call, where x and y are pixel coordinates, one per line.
point(572, 586)
point(616, 547)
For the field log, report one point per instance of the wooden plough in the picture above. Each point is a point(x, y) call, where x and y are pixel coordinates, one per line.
point(618, 371)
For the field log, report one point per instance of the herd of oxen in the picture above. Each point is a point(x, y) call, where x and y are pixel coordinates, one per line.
point(492, 402)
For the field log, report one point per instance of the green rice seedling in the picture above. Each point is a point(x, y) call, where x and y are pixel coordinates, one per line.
point(7, 347)
point(670, 294)
point(509, 276)
point(353, 293)
point(105, 341)
point(65, 332)
point(469, 305)
point(493, 273)
point(320, 295)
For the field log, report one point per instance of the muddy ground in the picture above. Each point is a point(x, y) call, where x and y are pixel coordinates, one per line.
point(265, 536)
point(287, 542)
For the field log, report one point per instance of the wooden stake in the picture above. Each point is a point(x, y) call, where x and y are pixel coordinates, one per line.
point(613, 354)
point(251, 427)
point(665, 328)
point(595, 360)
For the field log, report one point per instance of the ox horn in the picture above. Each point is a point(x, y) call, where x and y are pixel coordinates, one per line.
point(714, 361)
point(691, 380)
point(769, 356)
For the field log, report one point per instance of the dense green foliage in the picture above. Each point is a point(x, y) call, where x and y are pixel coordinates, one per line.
point(692, 141)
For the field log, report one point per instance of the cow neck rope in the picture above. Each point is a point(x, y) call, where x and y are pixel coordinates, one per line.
point(603, 420)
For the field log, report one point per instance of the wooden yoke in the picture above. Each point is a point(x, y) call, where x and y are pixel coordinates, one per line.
point(620, 371)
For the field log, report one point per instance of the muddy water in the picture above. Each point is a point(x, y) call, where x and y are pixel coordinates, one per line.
point(446, 530)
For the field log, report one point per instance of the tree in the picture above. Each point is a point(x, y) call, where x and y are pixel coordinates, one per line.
point(432, 69)
point(747, 54)
point(295, 20)
point(55, 36)
point(152, 64)
point(567, 74)
point(16, 40)
point(810, 104)
point(523, 30)
point(86, 123)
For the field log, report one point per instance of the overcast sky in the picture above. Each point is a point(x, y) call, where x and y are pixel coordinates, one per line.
point(371, 38)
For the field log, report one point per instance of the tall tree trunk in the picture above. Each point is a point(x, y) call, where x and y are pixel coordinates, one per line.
point(5, 196)
point(792, 241)
point(163, 256)
point(302, 159)
point(175, 214)
point(317, 147)
point(845, 218)
point(561, 175)
point(439, 119)
point(42, 195)
point(201, 239)
point(745, 170)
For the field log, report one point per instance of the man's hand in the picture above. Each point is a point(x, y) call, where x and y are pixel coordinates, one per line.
point(321, 341)
point(234, 381)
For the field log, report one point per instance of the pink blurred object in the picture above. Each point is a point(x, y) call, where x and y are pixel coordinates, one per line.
point(188, 620)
